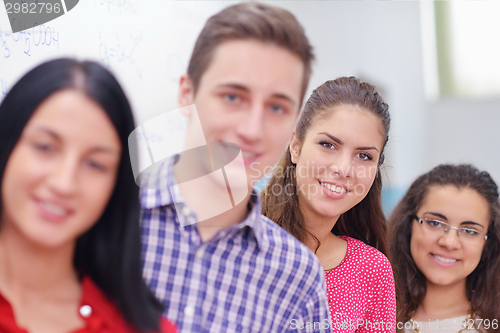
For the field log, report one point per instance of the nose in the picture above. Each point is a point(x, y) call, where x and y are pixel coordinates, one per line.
point(63, 176)
point(251, 126)
point(450, 239)
point(343, 165)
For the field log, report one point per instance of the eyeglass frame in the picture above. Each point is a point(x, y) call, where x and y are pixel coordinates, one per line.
point(446, 229)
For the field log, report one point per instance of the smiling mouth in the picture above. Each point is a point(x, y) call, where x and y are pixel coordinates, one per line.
point(334, 188)
point(54, 209)
point(234, 150)
point(447, 260)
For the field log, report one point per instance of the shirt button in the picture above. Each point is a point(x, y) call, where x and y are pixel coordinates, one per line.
point(199, 253)
point(85, 311)
point(186, 211)
point(189, 311)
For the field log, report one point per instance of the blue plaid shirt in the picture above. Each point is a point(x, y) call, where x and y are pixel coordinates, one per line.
point(250, 277)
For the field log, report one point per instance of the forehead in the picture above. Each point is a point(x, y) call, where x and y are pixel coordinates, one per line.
point(457, 204)
point(73, 116)
point(260, 66)
point(353, 125)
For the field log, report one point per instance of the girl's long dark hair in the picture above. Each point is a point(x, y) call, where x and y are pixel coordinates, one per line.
point(483, 284)
point(280, 202)
point(110, 251)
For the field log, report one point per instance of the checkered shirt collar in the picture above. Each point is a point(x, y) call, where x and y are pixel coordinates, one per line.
point(166, 193)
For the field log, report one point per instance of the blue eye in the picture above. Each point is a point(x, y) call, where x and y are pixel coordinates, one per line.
point(231, 98)
point(277, 108)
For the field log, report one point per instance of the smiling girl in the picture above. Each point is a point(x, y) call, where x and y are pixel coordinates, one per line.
point(326, 191)
point(69, 209)
point(445, 248)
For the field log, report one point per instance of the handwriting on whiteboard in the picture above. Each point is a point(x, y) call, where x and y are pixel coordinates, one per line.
point(27, 42)
point(121, 49)
point(120, 6)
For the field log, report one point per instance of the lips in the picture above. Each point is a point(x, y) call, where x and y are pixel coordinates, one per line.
point(444, 259)
point(53, 211)
point(334, 187)
point(249, 155)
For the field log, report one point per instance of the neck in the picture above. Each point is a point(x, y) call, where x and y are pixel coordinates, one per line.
point(318, 226)
point(217, 207)
point(442, 302)
point(210, 227)
point(28, 268)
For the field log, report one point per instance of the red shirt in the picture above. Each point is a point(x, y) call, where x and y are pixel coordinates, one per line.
point(361, 291)
point(99, 314)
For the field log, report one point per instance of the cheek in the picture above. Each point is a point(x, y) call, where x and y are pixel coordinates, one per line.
point(277, 142)
point(419, 248)
point(475, 254)
point(19, 175)
point(416, 243)
point(97, 195)
point(363, 181)
point(305, 169)
point(366, 174)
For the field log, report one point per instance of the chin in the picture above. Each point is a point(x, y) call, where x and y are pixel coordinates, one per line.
point(446, 281)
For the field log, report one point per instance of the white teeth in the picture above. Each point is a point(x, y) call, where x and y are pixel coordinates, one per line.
point(444, 259)
point(331, 187)
point(54, 209)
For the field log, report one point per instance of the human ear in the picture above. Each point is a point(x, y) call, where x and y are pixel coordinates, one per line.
point(186, 93)
point(294, 148)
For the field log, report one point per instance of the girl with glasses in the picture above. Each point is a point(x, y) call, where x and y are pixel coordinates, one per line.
point(445, 250)
point(69, 207)
point(326, 191)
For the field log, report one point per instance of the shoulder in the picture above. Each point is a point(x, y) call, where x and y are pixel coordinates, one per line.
point(285, 247)
point(277, 238)
point(367, 258)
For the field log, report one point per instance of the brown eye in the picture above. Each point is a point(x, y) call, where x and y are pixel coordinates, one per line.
point(326, 144)
point(44, 147)
point(365, 156)
point(95, 165)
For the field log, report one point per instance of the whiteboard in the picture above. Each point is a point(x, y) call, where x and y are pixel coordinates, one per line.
point(145, 44)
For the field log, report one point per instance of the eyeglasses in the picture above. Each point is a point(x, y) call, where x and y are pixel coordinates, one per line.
point(439, 228)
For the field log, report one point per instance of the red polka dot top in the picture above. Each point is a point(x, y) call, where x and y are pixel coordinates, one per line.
point(361, 293)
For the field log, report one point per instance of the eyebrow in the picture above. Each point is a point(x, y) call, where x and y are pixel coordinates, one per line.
point(341, 143)
point(441, 216)
point(97, 149)
point(444, 218)
point(246, 90)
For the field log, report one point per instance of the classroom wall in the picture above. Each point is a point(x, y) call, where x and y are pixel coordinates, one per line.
point(466, 131)
point(378, 41)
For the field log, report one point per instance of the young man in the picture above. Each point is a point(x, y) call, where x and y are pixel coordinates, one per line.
point(226, 268)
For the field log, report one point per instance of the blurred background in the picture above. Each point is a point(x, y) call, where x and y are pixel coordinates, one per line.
point(436, 64)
